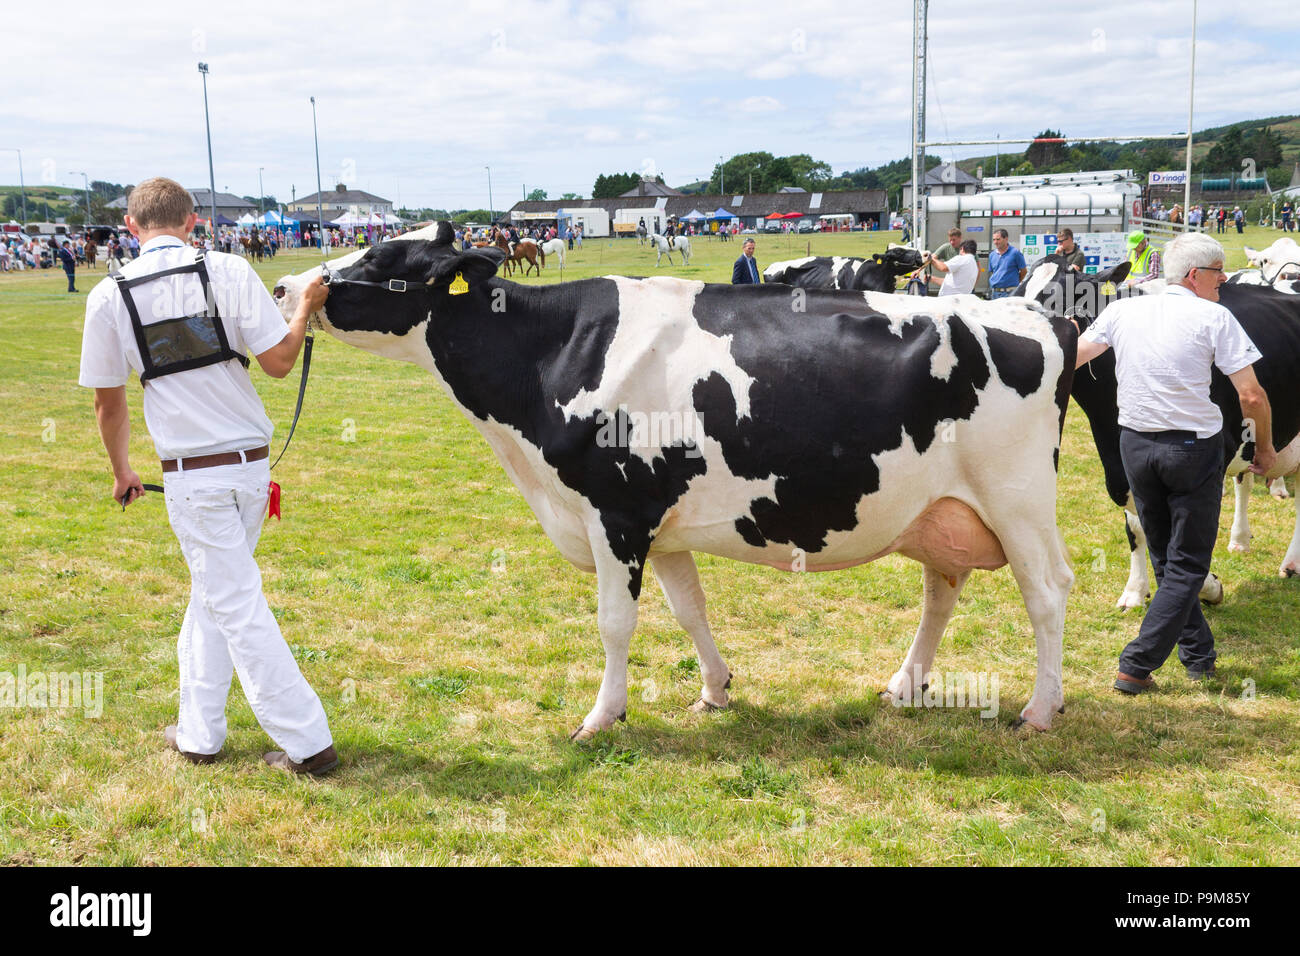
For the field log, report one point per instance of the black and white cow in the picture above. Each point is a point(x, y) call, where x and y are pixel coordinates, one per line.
point(879, 273)
point(1270, 318)
point(645, 419)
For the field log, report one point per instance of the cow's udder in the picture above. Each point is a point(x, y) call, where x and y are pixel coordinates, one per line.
point(950, 537)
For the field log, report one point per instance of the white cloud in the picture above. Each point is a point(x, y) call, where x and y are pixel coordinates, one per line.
point(550, 93)
point(759, 104)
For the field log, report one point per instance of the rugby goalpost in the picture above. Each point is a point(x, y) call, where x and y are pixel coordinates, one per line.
point(920, 42)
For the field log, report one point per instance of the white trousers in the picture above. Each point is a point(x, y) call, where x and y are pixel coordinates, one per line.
point(217, 515)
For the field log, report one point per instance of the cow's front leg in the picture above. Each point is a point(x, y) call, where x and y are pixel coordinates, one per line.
point(1239, 540)
point(940, 597)
point(681, 585)
point(618, 585)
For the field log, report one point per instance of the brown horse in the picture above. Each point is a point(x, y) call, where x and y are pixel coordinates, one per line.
point(523, 250)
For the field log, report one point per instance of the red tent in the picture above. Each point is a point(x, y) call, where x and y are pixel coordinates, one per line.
point(776, 215)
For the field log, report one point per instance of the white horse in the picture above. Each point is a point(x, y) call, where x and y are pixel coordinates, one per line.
point(553, 247)
point(641, 234)
point(665, 246)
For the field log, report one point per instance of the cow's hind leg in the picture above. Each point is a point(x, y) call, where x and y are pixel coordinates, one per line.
point(940, 598)
point(618, 587)
point(681, 585)
point(1038, 559)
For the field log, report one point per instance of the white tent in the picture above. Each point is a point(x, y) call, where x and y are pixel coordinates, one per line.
point(247, 219)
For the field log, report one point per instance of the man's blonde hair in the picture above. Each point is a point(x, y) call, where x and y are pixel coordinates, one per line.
point(160, 203)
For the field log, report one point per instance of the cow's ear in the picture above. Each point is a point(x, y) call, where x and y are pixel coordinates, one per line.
point(878, 259)
point(1116, 273)
point(445, 235)
point(1252, 255)
point(476, 266)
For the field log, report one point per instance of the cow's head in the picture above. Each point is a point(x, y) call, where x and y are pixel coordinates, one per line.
point(1281, 260)
point(1068, 292)
point(364, 288)
point(899, 260)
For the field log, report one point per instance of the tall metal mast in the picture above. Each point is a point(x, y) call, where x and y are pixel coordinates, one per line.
point(920, 40)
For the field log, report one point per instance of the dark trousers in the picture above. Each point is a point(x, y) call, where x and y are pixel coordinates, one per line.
point(1177, 484)
point(72, 280)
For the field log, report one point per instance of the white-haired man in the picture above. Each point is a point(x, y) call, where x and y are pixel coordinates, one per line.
point(1171, 441)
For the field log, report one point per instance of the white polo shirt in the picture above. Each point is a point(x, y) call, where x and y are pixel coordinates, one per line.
point(200, 411)
point(963, 270)
point(1164, 346)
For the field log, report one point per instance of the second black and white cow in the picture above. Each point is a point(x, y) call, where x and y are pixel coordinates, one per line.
point(879, 273)
point(1270, 318)
point(645, 419)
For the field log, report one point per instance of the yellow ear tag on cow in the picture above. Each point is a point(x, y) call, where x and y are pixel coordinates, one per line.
point(1108, 288)
point(458, 285)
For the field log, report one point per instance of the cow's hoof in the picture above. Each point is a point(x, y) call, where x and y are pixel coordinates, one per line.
point(1131, 599)
point(1027, 726)
point(586, 733)
point(1212, 590)
point(702, 706)
point(1287, 571)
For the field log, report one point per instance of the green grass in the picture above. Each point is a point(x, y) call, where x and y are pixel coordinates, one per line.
point(454, 651)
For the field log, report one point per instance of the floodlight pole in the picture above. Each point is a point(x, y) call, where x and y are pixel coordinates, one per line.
point(1191, 99)
point(86, 182)
point(320, 209)
point(492, 213)
point(212, 176)
point(722, 177)
point(22, 188)
point(261, 193)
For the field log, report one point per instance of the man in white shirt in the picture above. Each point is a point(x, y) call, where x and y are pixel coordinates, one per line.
point(962, 270)
point(1171, 441)
point(184, 320)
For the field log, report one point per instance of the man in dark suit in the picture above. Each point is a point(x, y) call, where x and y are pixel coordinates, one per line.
point(745, 271)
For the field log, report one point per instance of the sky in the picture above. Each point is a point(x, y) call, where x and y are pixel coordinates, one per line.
point(414, 100)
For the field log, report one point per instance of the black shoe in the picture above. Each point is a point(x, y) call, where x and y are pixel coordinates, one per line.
point(1200, 673)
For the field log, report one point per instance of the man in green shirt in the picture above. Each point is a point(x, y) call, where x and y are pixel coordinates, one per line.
point(953, 247)
point(1066, 247)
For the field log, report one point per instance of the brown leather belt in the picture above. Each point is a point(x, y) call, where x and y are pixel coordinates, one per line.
point(211, 461)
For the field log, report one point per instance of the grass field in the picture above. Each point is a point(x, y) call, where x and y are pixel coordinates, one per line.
point(454, 650)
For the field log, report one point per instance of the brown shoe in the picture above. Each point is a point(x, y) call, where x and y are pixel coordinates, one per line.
point(169, 734)
point(316, 766)
point(1127, 684)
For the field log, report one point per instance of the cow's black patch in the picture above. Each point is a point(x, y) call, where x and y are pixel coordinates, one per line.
point(824, 401)
point(1018, 360)
point(878, 274)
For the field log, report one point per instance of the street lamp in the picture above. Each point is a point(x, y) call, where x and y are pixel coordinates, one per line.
point(722, 177)
point(261, 205)
point(492, 213)
point(212, 176)
point(22, 189)
point(85, 181)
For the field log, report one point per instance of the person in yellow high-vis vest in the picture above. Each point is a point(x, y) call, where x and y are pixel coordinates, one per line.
point(1143, 259)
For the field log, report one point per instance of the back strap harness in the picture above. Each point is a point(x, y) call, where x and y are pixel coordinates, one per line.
point(184, 343)
point(197, 341)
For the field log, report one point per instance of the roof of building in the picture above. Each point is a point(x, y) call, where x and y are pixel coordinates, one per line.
point(947, 174)
point(748, 206)
point(343, 197)
point(203, 198)
point(650, 187)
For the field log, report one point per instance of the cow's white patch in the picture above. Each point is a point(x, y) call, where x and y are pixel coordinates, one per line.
point(944, 359)
point(1039, 279)
point(657, 355)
